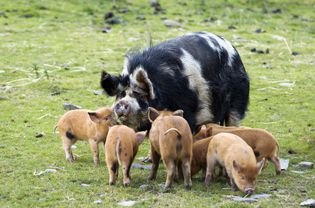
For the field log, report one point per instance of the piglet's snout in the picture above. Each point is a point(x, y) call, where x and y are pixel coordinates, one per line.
point(122, 109)
point(249, 191)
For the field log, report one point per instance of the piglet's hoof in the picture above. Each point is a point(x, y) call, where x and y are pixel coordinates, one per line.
point(188, 187)
point(147, 160)
point(70, 159)
point(96, 164)
point(126, 182)
point(167, 189)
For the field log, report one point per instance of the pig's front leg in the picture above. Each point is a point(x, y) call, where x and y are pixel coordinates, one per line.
point(94, 148)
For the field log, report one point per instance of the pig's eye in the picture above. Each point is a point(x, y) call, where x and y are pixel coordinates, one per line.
point(106, 118)
point(121, 94)
point(138, 95)
point(135, 93)
point(243, 178)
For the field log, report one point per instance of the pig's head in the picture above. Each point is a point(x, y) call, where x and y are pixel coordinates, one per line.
point(202, 132)
point(104, 118)
point(134, 92)
point(245, 177)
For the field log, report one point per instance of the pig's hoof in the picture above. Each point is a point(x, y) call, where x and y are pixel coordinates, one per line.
point(167, 189)
point(151, 178)
point(70, 159)
point(147, 159)
point(233, 188)
point(278, 172)
point(188, 187)
point(206, 182)
point(126, 182)
point(111, 183)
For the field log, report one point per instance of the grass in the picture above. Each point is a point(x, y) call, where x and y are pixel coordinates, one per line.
point(52, 52)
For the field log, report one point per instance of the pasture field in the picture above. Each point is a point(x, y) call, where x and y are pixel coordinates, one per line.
point(53, 52)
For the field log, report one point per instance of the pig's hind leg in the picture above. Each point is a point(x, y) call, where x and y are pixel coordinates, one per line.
point(68, 140)
point(113, 171)
point(211, 164)
point(187, 172)
point(171, 169)
point(276, 162)
point(155, 163)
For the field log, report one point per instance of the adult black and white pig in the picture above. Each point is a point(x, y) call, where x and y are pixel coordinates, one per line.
point(200, 73)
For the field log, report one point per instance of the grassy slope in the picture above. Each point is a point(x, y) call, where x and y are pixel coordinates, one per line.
point(61, 49)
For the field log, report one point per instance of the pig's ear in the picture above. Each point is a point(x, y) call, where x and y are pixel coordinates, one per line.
point(260, 165)
point(152, 114)
point(236, 166)
point(209, 131)
point(179, 113)
point(140, 136)
point(199, 129)
point(144, 85)
point(94, 117)
point(109, 83)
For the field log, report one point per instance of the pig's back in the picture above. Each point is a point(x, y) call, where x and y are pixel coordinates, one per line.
point(231, 147)
point(124, 135)
point(77, 121)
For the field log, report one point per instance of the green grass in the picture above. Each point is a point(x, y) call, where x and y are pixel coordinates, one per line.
point(56, 54)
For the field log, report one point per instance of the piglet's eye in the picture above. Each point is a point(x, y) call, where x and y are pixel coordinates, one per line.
point(135, 93)
point(106, 118)
point(243, 178)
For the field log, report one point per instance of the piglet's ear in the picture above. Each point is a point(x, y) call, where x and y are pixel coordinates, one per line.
point(199, 128)
point(109, 83)
point(260, 165)
point(94, 117)
point(152, 114)
point(235, 165)
point(209, 131)
point(140, 136)
point(179, 113)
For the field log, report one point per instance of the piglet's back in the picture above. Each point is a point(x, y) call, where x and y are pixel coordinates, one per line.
point(122, 134)
point(178, 122)
point(231, 147)
point(76, 120)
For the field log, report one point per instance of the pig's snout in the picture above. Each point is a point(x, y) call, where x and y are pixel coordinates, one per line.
point(249, 191)
point(122, 109)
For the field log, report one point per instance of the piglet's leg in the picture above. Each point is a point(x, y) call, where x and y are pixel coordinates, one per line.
point(176, 174)
point(94, 148)
point(186, 173)
point(155, 164)
point(276, 162)
point(211, 162)
point(67, 143)
point(171, 169)
point(233, 184)
point(125, 170)
point(112, 170)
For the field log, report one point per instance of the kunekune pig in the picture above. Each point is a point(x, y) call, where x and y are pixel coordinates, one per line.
point(261, 141)
point(171, 140)
point(232, 153)
point(121, 148)
point(200, 73)
point(82, 124)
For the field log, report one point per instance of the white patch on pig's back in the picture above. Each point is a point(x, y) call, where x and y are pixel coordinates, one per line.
point(199, 85)
point(223, 45)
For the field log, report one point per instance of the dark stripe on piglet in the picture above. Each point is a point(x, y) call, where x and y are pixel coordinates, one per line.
point(70, 135)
